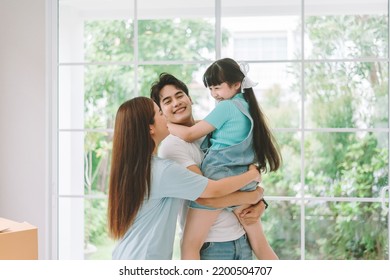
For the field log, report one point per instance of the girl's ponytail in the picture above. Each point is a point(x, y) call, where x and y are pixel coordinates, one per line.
point(264, 143)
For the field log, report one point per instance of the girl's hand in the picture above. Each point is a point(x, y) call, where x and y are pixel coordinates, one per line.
point(254, 169)
point(170, 128)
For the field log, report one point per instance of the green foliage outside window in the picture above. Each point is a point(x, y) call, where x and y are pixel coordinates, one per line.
point(338, 164)
point(347, 95)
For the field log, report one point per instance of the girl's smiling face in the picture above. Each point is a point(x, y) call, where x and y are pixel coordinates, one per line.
point(224, 91)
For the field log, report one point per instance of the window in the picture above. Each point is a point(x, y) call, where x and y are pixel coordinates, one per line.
point(260, 46)
point(323, 73)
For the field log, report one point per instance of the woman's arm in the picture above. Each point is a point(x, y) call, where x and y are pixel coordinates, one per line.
point(236, 198)
point(228, 185)
point(233, 199)
point(191, 133)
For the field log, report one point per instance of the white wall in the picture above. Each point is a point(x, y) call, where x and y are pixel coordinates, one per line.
point(22, 115)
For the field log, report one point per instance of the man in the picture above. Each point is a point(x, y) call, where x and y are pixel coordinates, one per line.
point(226, 239)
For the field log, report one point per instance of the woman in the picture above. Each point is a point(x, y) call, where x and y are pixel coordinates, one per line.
point(145, 191)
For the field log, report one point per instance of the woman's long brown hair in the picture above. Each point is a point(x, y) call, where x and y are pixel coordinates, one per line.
point(131, 163)
point(264, 143)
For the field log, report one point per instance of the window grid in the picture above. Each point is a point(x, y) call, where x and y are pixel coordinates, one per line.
point(302, 190)
point(302, 129)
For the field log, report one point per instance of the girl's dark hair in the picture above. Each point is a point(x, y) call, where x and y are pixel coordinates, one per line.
point(228, 71)
point(132, 150)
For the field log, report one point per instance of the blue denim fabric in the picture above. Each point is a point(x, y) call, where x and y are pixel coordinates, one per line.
point(228, 161)
point(238, 249)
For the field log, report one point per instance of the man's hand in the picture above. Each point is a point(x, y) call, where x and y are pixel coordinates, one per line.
point(253, 213)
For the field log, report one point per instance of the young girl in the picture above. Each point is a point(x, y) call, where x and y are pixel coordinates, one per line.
point(146, 191)
point(239, 136)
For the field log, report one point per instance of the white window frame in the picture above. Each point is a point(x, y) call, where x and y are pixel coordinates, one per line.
point(53, 129)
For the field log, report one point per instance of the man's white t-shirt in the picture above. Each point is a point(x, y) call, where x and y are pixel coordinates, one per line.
point(226, 227)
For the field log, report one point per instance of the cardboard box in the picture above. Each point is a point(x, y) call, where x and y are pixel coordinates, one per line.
point(18, 241)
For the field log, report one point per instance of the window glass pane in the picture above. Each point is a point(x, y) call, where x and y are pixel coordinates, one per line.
point(269, 47)
point(346, 29)
point(90, 95)
point(278, 92)
point(108, 40)
point(282, 228)
point(346, 164)
point(173, 30)
point(84, 159)
point(96, 30)
point(97, 244)
point(97, 162)
point(257, 30)
point(285, 181)
point(346, 95)
point(346, 231)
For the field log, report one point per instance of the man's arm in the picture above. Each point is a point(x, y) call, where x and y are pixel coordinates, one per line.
point(253, 213)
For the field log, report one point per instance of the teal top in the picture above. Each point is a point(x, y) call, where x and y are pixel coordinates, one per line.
point(151, 235)
point(231, 125)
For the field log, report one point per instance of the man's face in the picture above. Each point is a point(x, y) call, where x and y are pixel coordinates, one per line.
point(176, 105)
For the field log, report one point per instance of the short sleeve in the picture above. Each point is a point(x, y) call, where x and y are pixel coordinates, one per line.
point(177, 181)
point(172, 148)
point(221, 114)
